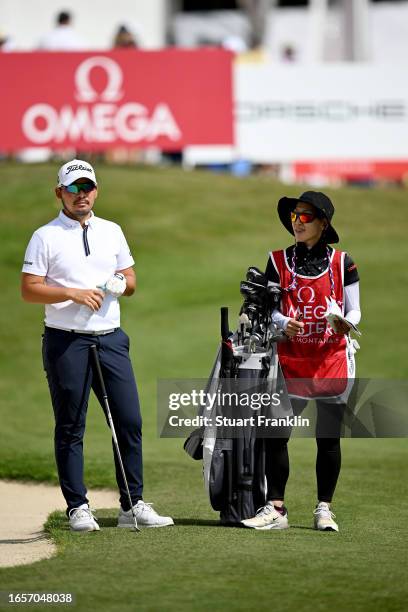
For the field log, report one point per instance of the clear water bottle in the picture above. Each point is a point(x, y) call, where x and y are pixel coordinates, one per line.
point(82, 317)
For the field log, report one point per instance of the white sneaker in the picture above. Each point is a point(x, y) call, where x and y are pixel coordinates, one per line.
point(323, 518)
point(268, 518)
point(145, 516)
point(82, 519)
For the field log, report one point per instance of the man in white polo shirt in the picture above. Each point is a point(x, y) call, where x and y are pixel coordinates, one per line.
point(78, 265)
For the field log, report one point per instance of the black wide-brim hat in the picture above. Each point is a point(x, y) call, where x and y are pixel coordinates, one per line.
point(317, 199)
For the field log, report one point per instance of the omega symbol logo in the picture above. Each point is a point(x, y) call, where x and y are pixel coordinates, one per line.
point(85, 91)
point(310, 292)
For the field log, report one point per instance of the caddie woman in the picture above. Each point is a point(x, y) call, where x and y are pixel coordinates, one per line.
point(317, 360)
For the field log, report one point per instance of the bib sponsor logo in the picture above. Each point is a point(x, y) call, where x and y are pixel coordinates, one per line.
point(310, 294)
point(312, 316)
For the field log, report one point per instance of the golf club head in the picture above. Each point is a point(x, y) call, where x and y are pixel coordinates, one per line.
point(254, 275)
point(250, 309)
point(274, 293)
point(256, 340)
point(255, 292)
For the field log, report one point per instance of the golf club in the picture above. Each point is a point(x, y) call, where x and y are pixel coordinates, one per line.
point(108, 415)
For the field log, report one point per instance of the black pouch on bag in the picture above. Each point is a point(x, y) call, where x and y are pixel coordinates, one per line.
point(194, 444)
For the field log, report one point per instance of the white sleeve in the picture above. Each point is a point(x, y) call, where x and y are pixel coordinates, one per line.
point(279, 319)
point(352, 303)
point(124, 257)
point(36, 258)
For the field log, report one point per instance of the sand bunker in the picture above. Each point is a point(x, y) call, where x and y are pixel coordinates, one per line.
point(24, 509)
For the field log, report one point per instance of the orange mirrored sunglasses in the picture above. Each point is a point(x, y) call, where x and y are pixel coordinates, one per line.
point(304, 217)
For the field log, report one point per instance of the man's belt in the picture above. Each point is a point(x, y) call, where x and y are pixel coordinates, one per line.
point(102, 332)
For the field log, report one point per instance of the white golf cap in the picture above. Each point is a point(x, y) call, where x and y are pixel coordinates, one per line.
point(74, 170)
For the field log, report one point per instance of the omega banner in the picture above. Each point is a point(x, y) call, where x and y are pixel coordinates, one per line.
point(94, 101)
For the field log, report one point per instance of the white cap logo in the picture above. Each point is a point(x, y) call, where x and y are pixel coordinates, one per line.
point(85, 91)
point(73, 170)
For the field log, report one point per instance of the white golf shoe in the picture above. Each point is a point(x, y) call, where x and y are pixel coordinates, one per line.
point(82, 519)
point(145, 516)
point(323, 518)
point(268, 518)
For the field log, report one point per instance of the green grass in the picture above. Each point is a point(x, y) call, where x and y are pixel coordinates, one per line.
point(198, 565)
point(193, 235)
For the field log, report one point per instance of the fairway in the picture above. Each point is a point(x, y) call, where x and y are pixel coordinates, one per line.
point(193, 235)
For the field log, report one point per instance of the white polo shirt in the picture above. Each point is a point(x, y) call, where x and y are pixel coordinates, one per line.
point(57, 251)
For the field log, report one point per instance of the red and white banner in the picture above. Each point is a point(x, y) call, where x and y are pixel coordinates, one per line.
point(358, 170)
point(95, 101)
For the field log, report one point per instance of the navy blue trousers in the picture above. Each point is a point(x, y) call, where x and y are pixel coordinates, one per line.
point(70, 373)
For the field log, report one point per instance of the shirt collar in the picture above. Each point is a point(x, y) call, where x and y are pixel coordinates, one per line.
point(65, 220)
point(318, 249)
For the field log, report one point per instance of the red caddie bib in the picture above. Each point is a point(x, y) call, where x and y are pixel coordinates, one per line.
point(318, 355)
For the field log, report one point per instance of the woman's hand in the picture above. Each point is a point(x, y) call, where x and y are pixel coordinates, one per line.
point(342, 327)
point(294, 327)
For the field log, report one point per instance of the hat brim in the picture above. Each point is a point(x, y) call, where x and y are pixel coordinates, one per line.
point(285, 207)
point(72, 180)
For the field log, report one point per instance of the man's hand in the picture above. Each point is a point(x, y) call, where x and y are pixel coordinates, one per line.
point(116, 285)
point(35, 290)
point(92, 298)
point(294, 327)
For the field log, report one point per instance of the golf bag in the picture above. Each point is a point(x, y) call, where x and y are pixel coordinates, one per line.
point(234, 466)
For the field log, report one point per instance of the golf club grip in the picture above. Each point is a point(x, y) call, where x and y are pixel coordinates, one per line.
point(97, 363)
point(224, 323)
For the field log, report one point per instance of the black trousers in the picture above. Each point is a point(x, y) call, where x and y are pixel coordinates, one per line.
point(69, 368)
point(329, 425)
